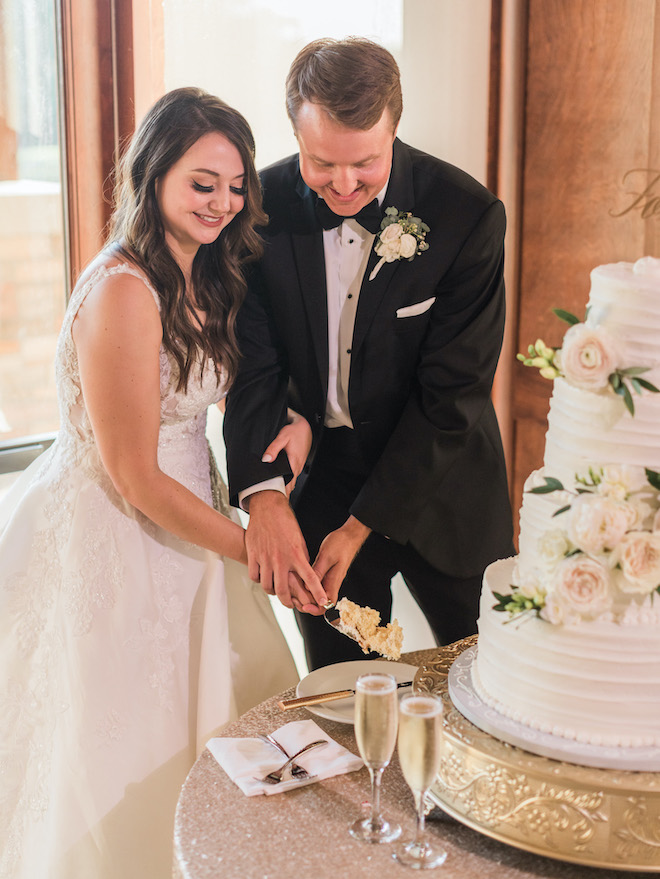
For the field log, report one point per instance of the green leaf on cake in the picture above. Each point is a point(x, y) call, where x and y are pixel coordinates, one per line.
point(551, 484)
point(653, 477)
point(646, 384)
point(633, 370)
point(561, 510)
point(624, 392)
point(502, 600)
point(566, 316)
point(518, 605)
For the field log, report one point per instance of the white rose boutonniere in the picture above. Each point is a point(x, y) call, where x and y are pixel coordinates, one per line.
point(401, 236)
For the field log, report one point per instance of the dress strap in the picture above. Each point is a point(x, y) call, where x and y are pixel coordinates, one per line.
point(81, 291)
point(125, 268)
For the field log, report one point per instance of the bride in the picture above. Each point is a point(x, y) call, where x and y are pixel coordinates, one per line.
point(115, 655)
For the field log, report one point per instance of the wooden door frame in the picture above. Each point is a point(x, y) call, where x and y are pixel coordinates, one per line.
point(97, 100)
point(504, 177)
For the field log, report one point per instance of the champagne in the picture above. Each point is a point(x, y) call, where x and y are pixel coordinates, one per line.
point(376, 718)
point(420, 738)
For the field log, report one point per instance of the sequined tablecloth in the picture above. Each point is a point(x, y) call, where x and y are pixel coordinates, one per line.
point(302, 834)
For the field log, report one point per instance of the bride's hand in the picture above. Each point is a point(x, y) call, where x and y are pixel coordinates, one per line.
point(295, 439)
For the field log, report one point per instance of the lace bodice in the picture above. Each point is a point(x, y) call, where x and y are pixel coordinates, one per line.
point(105, 645)
point(182, 439)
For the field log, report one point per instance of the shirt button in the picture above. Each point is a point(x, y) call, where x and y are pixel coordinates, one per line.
point(349, 351)
point(350, 296)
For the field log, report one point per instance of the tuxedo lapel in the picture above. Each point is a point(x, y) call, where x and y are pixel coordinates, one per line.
point(400, 194)
point(307, 242)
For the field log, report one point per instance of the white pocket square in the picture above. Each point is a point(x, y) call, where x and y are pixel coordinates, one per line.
point(417, 308)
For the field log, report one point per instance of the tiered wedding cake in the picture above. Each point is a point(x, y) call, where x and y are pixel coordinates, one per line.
point(569, 630)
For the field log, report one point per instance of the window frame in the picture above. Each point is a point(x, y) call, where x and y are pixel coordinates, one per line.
point(96, 111)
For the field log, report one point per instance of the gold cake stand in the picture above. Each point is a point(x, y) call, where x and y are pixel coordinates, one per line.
point(596, 817)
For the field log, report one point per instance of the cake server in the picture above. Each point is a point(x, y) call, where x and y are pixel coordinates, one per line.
point(318, 698)
point(331, 616)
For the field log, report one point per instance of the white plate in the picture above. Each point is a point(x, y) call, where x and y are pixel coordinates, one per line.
point(342, 676)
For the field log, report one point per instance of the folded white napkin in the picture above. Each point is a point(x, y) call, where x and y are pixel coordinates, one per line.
point(246, 760)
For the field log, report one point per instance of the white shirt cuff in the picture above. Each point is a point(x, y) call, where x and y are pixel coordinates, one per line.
point(276, 483)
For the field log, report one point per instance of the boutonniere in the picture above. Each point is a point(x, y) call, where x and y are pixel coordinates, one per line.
point(401, 236)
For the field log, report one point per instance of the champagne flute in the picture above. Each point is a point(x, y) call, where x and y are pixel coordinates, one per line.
point(376, 709)
point(419, 746)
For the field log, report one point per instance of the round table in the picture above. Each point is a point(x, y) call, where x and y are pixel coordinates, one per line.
point(302, 834)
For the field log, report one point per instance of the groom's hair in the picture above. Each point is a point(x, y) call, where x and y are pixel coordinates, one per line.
point(354, 80)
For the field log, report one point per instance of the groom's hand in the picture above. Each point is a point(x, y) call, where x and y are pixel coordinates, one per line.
point(277, 554)
point(337, 552)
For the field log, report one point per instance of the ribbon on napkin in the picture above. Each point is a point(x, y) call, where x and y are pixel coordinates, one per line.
point(246, 760)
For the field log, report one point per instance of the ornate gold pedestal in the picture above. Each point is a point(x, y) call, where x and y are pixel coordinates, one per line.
point(597, 817)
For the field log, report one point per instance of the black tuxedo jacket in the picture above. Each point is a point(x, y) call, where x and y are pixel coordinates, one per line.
point(420, 381)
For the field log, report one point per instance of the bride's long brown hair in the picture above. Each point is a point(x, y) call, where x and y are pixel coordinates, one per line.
point(170, 128)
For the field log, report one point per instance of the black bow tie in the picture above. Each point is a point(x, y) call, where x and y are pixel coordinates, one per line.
point(369, 217)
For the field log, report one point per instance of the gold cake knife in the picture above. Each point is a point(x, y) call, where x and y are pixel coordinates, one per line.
point(318, 698)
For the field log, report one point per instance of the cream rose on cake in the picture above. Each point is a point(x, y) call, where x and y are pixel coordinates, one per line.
point(637, 560)
point(620, 481)
point(588, 357)
point(553, 546)
point(580, 591)
point(531, 586)
point(643, 512)
point(597, 524)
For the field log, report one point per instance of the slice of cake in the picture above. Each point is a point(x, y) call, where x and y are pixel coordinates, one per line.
point(363, 624)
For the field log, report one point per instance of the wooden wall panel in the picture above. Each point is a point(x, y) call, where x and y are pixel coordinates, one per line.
point(590, 147)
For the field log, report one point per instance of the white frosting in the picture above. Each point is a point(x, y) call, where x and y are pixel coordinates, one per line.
point(586, 428)
point(648, 266)
point(597, 683)
point(596, 427)
point(593, 681)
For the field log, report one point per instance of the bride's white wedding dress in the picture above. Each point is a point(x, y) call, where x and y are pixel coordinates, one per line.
point(115, 656)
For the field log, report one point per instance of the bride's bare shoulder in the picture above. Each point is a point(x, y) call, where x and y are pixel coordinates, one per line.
point(115, 296)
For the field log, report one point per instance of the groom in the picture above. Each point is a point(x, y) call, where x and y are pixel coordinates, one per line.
point(391, 362)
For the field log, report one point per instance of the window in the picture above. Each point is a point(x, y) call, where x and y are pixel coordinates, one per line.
point(66, 103)
point(32, 249)
point(242, 52)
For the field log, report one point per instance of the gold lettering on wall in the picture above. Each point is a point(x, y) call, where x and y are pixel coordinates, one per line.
point(646, 198)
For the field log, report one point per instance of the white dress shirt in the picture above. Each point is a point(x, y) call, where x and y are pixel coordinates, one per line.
point(346, 249)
